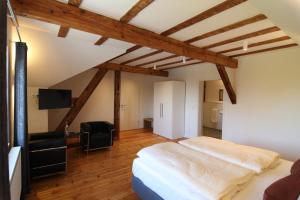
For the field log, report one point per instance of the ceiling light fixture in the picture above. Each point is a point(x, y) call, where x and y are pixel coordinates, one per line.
point(183, 59)
point(154, 66)
point(245, 45)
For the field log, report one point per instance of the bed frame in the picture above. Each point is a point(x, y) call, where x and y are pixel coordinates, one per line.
point(143, 191)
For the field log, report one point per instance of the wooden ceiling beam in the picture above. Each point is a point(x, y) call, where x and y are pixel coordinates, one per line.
point(127, 68)
point(134, 11)
point(174, 62)
point(126, 52)
point(243, 37)
point(224, 29)
point(204, 15)
point(184, 65)
point(157, 60)
point(142, 57)
point(82, 99)
point(64, 30)
point(101, 41)
point(266, 50)
point(279, 39)
point(230, 27)
point(67, 15)
point(249, 53)
point(226, 81)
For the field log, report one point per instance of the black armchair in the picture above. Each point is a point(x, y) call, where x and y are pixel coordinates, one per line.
point(96, 135)
point(47, 153)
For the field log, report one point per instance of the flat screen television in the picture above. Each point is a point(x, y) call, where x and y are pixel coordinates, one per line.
point(52, 99)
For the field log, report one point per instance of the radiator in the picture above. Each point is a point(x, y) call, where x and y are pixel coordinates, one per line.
point(15, 173)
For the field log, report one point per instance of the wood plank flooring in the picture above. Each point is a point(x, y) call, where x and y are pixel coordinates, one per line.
point(103, 174)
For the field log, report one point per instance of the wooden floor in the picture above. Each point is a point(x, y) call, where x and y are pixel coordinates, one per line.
point(103, 174)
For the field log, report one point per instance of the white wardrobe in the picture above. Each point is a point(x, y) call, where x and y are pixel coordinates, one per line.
point(169, 100)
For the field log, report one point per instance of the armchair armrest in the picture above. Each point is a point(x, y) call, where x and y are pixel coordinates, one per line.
point(38, 145)
point(46, 135)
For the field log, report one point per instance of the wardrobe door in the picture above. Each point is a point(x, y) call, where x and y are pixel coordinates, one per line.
point(157, 112)
point(166, 109)
point(162, 109)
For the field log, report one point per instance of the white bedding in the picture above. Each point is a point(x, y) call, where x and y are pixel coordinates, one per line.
point(193, 173)
point(156, 181)
point(253, 158)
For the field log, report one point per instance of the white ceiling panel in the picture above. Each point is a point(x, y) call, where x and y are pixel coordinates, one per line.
point(84, 36)
point(38, 25)
point(284, 13)
point(117, 44)
point(250, 41)
point(111, 8)
point(276, 44)
point(235, 33)
point(164, 14)
point(235, 14)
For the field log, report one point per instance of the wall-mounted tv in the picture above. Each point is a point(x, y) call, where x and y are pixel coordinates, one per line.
point(52, 99)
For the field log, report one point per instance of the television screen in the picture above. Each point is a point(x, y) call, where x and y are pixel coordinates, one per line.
point(52, 99)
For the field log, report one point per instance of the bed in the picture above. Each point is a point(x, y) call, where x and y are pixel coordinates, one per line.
point(150, 182)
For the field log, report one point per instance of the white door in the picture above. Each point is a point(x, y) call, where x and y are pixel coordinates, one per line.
point(129, 106)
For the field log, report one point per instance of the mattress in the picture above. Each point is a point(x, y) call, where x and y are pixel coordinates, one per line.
point(253, 190)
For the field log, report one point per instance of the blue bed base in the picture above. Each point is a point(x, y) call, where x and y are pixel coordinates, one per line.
point(143, 191)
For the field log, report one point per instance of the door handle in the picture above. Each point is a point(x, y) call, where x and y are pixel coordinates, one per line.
point(162, 110)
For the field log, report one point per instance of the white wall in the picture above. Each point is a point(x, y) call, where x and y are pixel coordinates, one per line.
point(268, 97)
point(100, 106)
point(37, 119)
point(15, 173)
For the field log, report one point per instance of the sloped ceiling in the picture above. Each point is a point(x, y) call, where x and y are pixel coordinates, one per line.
point(53, 59)
point(284, 13)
